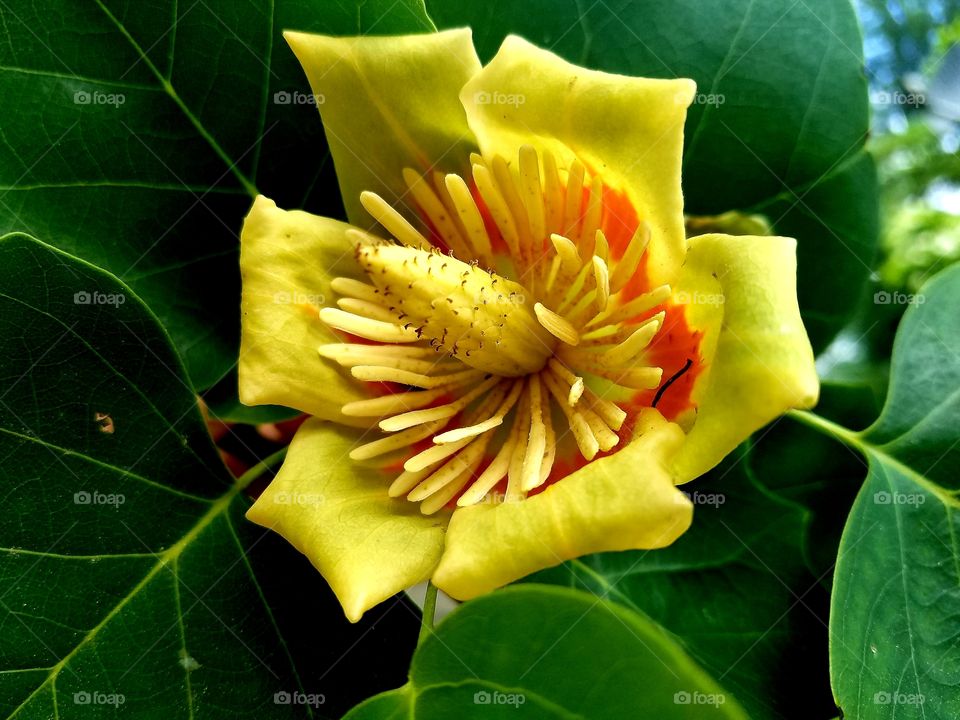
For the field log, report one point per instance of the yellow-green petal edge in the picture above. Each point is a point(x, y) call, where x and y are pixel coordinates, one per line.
point(743, 296)
point(388, 103)
point(366, 545)
point(287, 259)
point(625, 501)
point(627, 129)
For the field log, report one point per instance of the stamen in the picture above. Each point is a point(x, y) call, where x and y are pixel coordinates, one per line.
point(591, 219)
point(470, 217)
point(508, 189)
point(578, 425)
point(537, 440)
point(556, 325)
point(489, 424)
point(366, 309)
point(381, 373)
point(569, 256)
point(637, 306)
point(571, 213)
point(372, 357)
point(390, 404)
point(437, 453)
point(552, 194)
point(498, 209)
point(601, 247)
point(627, 266)
point(439, 500)
point(532, 191)
point(378, 330)
point(394, 222)
point(611, 414)
point(515, 470)
point(418, 417)
point(626, 351)
point(436, 211)
point(493, 473)
point(355, 288)
point(466, 460)
point(397, 441)
point(572, 381)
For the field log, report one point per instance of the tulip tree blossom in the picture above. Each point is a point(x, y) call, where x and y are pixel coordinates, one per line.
point(512, 354)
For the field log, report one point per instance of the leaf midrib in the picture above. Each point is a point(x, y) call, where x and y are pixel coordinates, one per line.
point(163, 560)
point(858, 441)
point(107, 466)
point(248, 185)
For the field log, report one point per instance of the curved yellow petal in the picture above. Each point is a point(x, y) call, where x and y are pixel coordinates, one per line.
point(388, 103)
point(628, 130)
point(623, 501)
point(741, 291)
point(366, 545)
point(287, 259)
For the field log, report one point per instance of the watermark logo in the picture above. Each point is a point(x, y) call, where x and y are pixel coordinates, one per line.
point(684, 98)
point(696, 697)
point(882, 497)
point(701, 498)
point(898, 698)
point(98, 698)
point(295, 97)
point(882, 297)
point(883, 97)
point(714, 99)
point(513, 298)
point(299, 698)
point(98, 298)
point(483, 97)
point(699, 298)
point(299, 298)
point(296, 498)
point(98, 498)
point(484, 697)
point(85, 97)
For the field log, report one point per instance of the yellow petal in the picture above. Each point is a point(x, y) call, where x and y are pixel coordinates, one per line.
point(366, 545)
point(388, 103)
point(741, 292)
point(287, 259)
point(623, 501)
point(628, 130)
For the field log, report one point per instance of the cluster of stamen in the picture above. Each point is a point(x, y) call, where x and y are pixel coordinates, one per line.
point(487, 348)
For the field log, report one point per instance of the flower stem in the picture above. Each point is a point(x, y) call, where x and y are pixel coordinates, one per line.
point(261, 467)
point(429, 610)
point(845, 435)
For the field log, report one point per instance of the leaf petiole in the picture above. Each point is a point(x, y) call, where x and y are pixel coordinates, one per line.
point(429, 611)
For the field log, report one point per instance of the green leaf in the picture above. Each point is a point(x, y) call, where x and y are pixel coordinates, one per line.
point(734, 591)
point(136, 134)
point(894, 627)
point(535, 652)
point(127, 569)
point(781, 111)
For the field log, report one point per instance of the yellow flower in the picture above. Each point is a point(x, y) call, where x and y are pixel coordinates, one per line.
point(513, 354)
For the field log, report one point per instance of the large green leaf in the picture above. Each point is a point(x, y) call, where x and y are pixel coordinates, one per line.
point(778, 125)
point(545, 652)
point(734, 591)
point(135, 134)
point(126, 566)
point(895, 629)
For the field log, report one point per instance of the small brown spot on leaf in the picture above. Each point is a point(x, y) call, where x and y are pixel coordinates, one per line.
point(104, 422)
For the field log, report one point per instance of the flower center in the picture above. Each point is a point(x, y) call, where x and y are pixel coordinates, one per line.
point(493, 368)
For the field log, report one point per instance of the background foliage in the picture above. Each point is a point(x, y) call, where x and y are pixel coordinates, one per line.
point(135, 136)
